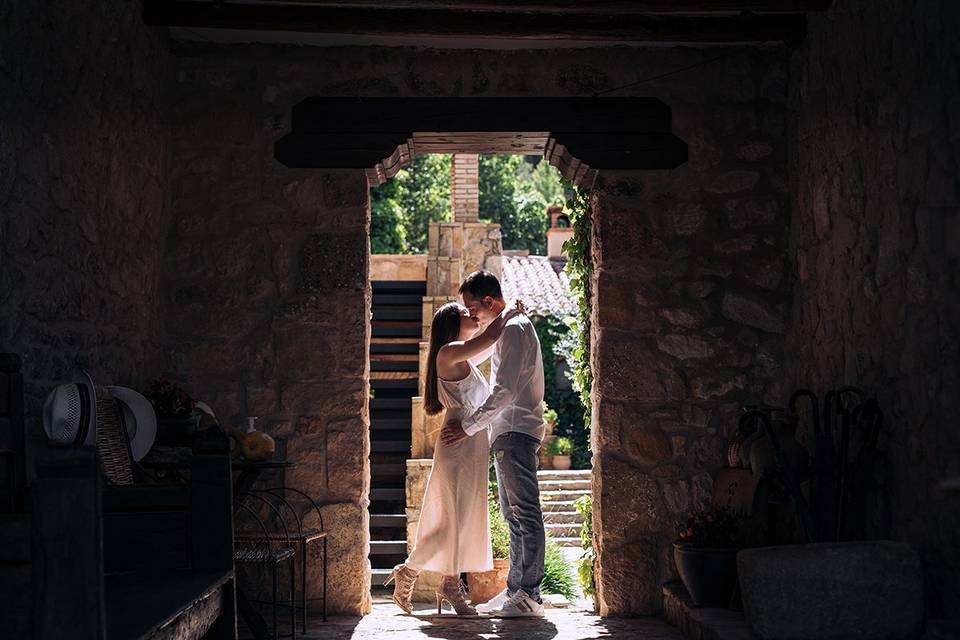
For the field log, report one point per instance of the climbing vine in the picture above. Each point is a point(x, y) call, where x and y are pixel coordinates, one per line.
point(576, 347)
point(552, 331)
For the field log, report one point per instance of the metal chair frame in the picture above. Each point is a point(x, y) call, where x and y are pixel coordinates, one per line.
point(274, 555)
point(306, 538)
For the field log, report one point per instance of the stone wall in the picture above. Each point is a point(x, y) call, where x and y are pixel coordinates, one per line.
point(398, 267)
point(874, 247)
point(268, 299)
point(84, 160)
point(688, 317)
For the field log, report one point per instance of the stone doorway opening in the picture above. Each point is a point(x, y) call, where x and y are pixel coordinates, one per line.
point(401, 433)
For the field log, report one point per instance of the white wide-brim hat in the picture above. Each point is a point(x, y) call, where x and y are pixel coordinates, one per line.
point(70, 413)
point(139, 420)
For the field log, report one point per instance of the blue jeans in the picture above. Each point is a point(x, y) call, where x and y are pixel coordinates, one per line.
point(515, 456)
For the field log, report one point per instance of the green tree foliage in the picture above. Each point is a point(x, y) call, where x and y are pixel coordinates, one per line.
point(402, 209)
point(515, 194)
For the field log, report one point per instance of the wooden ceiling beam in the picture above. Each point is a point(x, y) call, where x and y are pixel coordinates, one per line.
point(368, 20)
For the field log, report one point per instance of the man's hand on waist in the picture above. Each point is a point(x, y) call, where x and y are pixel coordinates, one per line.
point(452, 432)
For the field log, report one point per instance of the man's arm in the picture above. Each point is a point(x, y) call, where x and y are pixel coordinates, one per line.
point(505, 386)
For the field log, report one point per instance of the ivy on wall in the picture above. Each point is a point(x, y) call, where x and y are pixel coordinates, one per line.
point(579, 267)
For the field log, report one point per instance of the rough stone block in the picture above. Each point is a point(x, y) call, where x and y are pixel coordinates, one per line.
point(831, 591)
point(348, 545)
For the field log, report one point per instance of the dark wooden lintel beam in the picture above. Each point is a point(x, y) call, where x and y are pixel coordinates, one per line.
point(601, 7)
point(369, 20)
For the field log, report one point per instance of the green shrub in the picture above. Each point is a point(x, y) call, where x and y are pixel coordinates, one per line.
point(499, 532)
point(584, 506)
point(560, 447)
point(557, 574)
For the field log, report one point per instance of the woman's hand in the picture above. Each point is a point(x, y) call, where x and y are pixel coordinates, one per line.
point(515, 309)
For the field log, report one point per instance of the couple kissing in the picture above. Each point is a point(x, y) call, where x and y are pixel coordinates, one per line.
point(504, 414)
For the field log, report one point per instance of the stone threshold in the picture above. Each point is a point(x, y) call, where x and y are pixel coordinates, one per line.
point(703, 623)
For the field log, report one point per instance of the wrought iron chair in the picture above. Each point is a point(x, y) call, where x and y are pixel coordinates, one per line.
point(260, 546)
point(303, 538)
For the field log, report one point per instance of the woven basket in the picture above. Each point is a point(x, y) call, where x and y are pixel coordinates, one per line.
point(112, 444)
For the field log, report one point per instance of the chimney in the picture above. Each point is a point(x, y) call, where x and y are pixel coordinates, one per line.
point(558, 233)
point(465, 187)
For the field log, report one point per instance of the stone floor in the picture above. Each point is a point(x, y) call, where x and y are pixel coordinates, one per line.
point(389, 623)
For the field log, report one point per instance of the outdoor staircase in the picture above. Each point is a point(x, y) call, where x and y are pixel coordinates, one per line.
point(394, 371)
point(558, 491)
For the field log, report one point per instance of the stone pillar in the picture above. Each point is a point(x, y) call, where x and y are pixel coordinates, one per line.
point(465, 187)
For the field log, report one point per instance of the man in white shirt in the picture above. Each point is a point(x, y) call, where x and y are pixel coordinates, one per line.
point(513, 417)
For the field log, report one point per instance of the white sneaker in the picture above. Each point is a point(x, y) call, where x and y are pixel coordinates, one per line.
point(519, 605)
point(494, 603)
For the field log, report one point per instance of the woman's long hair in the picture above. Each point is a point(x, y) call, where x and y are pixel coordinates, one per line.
point(444, 329)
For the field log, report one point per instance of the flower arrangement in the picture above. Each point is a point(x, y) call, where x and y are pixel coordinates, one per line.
point(716, 528)
point(169, 400)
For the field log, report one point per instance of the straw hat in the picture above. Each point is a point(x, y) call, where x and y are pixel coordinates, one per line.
point(70, 413)
point(139, 420)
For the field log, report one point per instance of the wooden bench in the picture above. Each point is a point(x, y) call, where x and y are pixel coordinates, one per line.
point(124, 563)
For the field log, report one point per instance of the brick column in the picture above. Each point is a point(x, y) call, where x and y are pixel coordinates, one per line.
point(464, 187)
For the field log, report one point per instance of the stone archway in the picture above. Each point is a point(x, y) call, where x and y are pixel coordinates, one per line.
point(578, 136)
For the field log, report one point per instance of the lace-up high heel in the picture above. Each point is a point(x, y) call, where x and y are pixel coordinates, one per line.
point(450, 592)
point(403, 578)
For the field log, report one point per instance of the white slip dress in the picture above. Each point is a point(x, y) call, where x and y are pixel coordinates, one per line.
point(454, 531)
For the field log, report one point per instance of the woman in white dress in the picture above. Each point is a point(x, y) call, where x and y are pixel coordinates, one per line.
point(453, 535)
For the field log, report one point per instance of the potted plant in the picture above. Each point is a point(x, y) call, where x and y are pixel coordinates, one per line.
point(560, 450)
point(549, 419)
point(706, 556)
point(487, 584)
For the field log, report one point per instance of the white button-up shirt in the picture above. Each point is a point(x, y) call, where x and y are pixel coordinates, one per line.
point(516, 377)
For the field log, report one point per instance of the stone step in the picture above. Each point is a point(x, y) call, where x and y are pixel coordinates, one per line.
point(556, 505)
point(568, 541)
point(388, 470)
point(388, 520)
point(389, 424)
point(565, 496)
point(388, 494)
point(565, 485)
point(378, 577)
point(394, 287)
point(571, 517)
point(394, 365)
point(395, 332)
point(396, 312)
point(562, 530)
point(570, 474)
point(410, 348)
point(389, 446)
point(387, 404)
point(384, 547)
point(398, 299)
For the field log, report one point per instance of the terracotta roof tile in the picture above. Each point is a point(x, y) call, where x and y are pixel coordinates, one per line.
point(540, 282)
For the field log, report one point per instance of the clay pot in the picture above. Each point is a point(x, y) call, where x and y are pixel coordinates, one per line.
point(561, 463)
point(487, 584)
point(546, 462)
point(709, 574)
